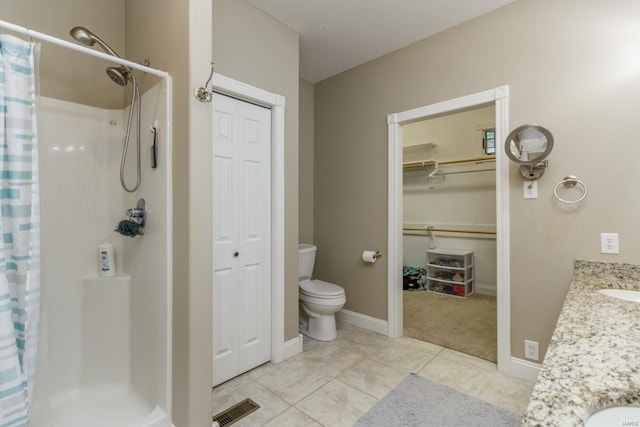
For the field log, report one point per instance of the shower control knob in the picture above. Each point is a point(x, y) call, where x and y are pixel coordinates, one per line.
point(235, 254)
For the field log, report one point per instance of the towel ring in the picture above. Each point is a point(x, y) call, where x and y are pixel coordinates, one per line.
point(571, 181)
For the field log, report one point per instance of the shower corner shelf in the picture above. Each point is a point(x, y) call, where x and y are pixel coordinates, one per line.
point(450, 272)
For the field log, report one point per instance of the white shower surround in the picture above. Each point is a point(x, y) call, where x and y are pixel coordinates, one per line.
point(106, 358)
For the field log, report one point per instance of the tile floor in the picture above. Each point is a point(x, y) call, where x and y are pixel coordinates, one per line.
point(335, 383)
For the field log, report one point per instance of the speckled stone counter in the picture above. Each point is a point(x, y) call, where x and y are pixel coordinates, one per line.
point(593, 359)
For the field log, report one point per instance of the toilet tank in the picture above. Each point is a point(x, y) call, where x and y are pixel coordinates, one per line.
point(306, 260)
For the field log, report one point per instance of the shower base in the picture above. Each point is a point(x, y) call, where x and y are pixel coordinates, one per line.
point(106, 406)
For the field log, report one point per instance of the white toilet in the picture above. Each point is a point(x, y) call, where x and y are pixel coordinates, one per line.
point(319, 301)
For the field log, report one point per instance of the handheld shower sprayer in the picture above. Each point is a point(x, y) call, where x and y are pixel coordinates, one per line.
point(118, 74)
point(87, 38)
point(121, 75)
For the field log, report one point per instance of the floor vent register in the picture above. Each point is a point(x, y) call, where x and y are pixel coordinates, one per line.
point(235, 413)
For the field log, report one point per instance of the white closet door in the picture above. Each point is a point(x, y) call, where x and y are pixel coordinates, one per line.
point(241, 237)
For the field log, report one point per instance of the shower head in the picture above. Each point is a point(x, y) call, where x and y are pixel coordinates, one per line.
point(87, 38)
point(120, 75)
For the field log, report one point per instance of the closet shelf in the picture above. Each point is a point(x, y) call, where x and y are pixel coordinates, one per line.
point(447, 230)
point(433, 163)
point(426, 145)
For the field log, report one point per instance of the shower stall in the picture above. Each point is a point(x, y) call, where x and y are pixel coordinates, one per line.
point(104, 356)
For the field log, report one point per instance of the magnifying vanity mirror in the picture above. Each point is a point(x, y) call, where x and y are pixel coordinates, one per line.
point(529, 146)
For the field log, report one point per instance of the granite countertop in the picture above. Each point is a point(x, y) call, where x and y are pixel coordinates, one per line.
point(593, 359)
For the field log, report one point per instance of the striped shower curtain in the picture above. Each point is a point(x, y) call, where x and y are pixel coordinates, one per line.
point(19, 230)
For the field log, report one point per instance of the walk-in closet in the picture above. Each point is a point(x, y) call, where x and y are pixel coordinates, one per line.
point(449, 231)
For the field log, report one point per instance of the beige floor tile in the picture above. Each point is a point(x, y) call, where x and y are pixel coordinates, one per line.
point(456, 356)
point(460, 376)
point(427, 347)
point(334, 383)
point(509, 393)
point(360, 340)
point(336, 404)
point(270, 404)
point(372, 377)
point(301, 375)
point(332, 358)
point(293, 417)
point(294, 379)
point(245, 378)
point(323, 350)
point(309, 343)
point(478, 380)
point(404, 355)
point(269, 368)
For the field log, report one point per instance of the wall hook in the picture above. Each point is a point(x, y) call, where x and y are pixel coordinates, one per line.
point(203, 94)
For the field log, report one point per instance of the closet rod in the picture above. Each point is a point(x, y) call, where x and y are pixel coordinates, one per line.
point(471, 171)
point(78, 48)
point(448, 230)
point(426, 163)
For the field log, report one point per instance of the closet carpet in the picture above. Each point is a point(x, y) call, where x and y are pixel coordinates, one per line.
point(466, 325)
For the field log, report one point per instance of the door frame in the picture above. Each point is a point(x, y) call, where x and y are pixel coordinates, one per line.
point(500, 97)
point(276, 103)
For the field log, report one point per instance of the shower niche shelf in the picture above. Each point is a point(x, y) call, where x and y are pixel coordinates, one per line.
point(450, 272)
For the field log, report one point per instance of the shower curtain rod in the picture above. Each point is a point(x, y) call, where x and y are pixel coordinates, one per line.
point(82, 49)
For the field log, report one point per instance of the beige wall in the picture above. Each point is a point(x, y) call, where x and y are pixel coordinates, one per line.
point(448, 137)
point(254, 48)
point(572, 66)
point(65, 74)
point(159, 31)
point(305, 165)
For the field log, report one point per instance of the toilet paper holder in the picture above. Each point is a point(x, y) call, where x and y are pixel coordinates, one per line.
point(371, 256)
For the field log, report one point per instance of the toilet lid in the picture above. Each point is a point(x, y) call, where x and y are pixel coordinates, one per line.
point(320, 288)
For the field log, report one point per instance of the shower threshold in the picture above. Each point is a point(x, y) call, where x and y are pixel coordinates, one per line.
point(106, 406)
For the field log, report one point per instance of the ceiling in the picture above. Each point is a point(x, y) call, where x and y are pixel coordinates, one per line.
point(336, 35)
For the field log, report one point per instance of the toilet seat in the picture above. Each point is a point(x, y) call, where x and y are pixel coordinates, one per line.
point(320, 289)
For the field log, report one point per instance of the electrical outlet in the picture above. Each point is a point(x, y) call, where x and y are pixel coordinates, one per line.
point(531, 350)
point(609, 243)
point(531, 189)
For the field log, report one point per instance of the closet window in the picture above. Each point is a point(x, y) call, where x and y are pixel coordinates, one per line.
point(489, 141)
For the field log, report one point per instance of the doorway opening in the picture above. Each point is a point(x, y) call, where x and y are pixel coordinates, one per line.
point(449, 217)
point(399, 124)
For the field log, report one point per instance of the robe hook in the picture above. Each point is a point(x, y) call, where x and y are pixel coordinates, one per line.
point(201, 93)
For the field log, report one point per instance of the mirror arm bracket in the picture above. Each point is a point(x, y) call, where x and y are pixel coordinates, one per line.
point(533, 172)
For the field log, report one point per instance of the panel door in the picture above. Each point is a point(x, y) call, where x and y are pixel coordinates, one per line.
point(241, 237)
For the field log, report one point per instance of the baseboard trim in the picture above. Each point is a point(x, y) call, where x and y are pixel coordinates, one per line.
point(293, 347)
point(486, 290)
point(524, 369)
point(363, 321)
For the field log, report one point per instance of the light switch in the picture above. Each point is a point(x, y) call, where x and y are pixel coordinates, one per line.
point(531, 189)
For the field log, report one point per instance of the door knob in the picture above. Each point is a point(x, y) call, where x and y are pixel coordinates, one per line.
point(235, 254)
